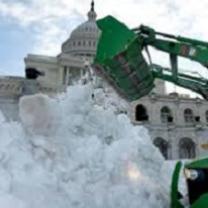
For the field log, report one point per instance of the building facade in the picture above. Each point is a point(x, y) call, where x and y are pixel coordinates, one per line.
point(76, 54)
point(178, 124)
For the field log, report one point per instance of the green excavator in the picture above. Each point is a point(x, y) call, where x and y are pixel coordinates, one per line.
point(120, 60)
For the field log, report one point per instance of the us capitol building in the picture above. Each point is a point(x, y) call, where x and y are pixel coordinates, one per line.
point(178, 124)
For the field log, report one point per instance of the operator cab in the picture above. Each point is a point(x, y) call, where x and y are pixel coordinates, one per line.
point(197, 183)
point(196, 174)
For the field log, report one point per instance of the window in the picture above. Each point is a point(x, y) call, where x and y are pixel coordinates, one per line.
point(187, 148)
point(206, 114)
point(64, 75)
point(197, 119)
point(162, 145)
point(141, 113)
point(188, 116)
point(166, 115)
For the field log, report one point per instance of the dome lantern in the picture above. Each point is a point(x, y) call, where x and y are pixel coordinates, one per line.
point(83, 40)
point(92, 14)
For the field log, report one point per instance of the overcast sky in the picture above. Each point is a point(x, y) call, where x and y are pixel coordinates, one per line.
point(40, 26)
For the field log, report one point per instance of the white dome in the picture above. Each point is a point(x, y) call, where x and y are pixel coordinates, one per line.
point(83, 40)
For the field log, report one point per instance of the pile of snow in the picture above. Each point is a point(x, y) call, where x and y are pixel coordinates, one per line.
point(74, 151)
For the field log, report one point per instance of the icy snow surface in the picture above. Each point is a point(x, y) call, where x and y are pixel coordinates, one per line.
point(74, 151)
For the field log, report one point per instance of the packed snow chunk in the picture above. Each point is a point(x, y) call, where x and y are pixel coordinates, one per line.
point(75, 151)
point(36, 113)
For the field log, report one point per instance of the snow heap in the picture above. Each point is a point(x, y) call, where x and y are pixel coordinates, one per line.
point(75, 152)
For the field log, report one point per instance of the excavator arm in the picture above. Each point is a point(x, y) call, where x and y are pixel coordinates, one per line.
point(120, 59)
point(178, 46)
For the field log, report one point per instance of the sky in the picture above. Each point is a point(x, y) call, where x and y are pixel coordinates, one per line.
point(41, 26)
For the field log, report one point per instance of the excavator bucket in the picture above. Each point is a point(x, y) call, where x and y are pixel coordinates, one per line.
point(119, 59)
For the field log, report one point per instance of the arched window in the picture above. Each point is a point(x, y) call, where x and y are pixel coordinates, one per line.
point(89, 43)
point(188, 115)
point(206, 114)
point(166, 115)
point(141, 113)
point(162, 145)
point(187, 148)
